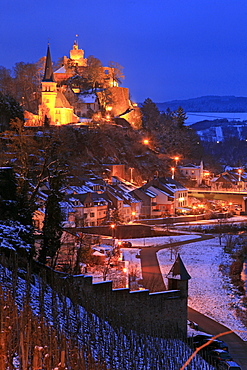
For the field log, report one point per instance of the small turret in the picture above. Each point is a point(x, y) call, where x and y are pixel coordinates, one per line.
point(178, 277)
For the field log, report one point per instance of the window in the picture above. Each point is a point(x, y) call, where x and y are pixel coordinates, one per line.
point(36, 224)
point(92, 215)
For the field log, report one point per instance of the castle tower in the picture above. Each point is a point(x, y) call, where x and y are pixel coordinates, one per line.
point(178, 277)
point(49, 88)
point(77, 56)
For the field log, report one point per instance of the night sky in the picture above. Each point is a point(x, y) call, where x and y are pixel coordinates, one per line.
point(170, 49)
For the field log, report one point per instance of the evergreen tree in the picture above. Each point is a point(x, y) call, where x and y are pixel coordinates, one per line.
point(9, 110)
point(52, 229)
point(180, 117)
point(150, 115)
point(8, 195)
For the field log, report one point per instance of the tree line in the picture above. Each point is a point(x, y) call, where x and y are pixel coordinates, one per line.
point(170, 132)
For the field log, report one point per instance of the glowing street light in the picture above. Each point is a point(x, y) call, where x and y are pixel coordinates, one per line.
point(112, 228)
point(176, 160)
point(239, 174)
point(131, 174)
point(145, 141)
point(173, 172)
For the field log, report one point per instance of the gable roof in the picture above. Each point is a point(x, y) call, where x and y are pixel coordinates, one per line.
point(190, 165)
point(61, 101)
point(61, 70)
point(167, 184)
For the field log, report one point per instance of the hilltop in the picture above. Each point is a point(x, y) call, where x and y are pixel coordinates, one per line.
point(208, 103)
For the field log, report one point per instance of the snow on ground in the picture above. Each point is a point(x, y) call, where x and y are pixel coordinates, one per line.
point(210, 292)
point(133, 254)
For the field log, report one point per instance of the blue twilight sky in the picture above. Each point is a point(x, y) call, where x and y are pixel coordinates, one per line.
point(170, 49)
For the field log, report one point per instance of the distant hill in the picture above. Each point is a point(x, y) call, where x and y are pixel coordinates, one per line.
point(207, 104)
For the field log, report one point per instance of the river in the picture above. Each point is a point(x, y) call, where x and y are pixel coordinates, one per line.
point(194, 117)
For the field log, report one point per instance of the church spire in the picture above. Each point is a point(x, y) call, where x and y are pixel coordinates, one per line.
point(48, 75)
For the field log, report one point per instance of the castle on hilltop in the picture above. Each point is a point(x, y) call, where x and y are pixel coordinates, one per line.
point(63, 103)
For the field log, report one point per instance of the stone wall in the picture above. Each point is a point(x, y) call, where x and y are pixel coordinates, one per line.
point(162, 313)
point(159, 314)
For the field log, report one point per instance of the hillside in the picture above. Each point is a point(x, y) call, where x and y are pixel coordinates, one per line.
point(209, 103)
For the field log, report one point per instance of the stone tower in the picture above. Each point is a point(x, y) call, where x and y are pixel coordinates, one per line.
point(178, 277)
point(54, 105)
point(48, 89)
point(77, 56)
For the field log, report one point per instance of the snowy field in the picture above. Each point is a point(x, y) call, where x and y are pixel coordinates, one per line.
point(210, 292)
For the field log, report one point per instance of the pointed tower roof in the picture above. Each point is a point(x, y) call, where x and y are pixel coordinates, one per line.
point(48, 75)
point(178, 270)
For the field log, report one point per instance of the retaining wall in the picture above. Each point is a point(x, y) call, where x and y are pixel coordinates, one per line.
point(162, 314)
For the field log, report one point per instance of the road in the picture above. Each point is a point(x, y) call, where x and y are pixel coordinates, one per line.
point(151, 274)
point(237, 347)
point(153, 280)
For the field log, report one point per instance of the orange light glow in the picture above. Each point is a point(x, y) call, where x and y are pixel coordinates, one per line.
point(125, 269)
point(146, 141)
point(113, 226)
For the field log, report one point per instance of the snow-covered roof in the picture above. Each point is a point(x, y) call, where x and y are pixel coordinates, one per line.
point(66, 207)
point(190, 165)
point(61, 70)
point(88, 99)
point(150, 193)
point(161, 191)
point(83, 189)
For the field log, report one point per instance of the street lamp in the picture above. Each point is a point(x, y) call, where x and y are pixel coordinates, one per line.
point(173, 172)
point(133, 215)
point(176, 160)
point(145, 141)
point(131, 174)
point(239, 174)
point(112, 228)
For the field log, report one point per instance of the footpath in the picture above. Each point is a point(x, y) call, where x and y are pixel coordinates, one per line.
point(153, 280)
